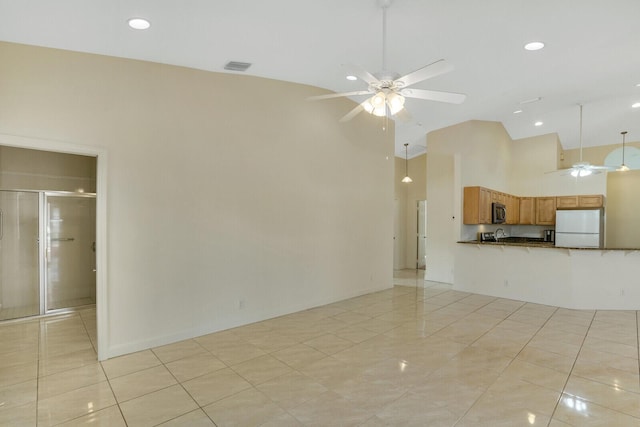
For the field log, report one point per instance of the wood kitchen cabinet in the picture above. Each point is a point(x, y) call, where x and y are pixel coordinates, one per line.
point(527, 211)
point(567, 202)
point(498, 197)
point(513, 209)
point(580, 202)
point(594, 201)
point(522, 210)
point(477, 205)
point(545, 210)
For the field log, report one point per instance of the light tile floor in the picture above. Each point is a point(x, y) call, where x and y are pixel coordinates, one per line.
point(405, 356)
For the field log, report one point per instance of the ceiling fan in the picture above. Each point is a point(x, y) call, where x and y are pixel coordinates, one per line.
point(582, 168)
point(388, 90)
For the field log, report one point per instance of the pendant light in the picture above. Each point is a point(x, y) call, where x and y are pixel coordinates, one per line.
point(406, 178)
point(623, 167)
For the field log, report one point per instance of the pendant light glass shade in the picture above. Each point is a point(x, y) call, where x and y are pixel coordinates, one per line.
point(623, 167)
point(396, 103)
point(406, 178)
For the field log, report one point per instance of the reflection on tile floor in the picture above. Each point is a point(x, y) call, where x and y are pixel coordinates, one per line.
point(405, 356)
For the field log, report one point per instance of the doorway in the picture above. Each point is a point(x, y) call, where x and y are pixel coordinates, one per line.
point(100, 155)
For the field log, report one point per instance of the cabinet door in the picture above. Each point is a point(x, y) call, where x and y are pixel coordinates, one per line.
point(513, 209)
point(470, 205)
point(527, 211)
point(545, 210)
point(567, 202)
point(595, 201)
point(476, 205)
point(485, 206)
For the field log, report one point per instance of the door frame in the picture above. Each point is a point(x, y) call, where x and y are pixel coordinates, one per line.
point(102, 302)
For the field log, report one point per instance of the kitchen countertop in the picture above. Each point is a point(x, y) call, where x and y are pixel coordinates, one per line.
point(535, 243)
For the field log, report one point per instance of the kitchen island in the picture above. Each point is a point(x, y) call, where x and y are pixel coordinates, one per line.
point(539, 272)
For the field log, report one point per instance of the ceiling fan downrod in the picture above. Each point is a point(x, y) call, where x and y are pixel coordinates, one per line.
point(384, 4)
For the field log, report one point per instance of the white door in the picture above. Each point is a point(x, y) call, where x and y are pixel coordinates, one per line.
point(397, 254)
point(422, 234)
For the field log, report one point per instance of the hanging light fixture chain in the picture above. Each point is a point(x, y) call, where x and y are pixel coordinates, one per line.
point(624, 134)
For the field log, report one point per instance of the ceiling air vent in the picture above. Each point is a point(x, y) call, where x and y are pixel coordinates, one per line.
point(237, 66)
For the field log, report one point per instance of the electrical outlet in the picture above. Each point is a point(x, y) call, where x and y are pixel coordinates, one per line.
point(506, 283)
point(240, 304)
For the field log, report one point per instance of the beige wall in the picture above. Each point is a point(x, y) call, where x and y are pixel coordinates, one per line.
point(594, 155)
point(42, 170)
point(231, 199)
point(470, 153)
point(532, 159)
point(623, 207)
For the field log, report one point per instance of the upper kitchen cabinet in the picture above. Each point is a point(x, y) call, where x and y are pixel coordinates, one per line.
point(498, 197)
point(527, 211)
point(545, 210)
point(513, 209)
point(580, 202)
point(477, 205)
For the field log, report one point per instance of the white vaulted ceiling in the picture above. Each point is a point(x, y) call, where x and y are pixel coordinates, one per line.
point(591, 54)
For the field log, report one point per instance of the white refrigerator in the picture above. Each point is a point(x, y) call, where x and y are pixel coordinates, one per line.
point(580, 228)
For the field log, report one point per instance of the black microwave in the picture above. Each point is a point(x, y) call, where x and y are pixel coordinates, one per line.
point(498, 213)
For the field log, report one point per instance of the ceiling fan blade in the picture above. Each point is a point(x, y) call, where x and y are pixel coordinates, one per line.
point(338, 95)
point(403, 115)
point(424, 73)
point(351, 114)
point(560, 171)
point(362, 74)
point(434, 95)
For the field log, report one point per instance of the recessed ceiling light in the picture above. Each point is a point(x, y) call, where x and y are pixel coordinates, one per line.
point(139, 23)
point(534, 46)
point(638, 85)
point(636, 105)
point(352, 78)
point(517, 112)
point(538, 123)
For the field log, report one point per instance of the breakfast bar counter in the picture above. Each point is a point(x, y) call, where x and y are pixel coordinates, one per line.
point(539, 272)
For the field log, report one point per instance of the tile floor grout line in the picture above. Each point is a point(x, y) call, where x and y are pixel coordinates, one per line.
point(510, 362)
point(573, 365)
point(252, 386)
point(638, 344)
point(38, 371)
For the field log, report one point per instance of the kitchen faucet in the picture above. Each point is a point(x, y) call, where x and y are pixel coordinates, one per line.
point(498, 235)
